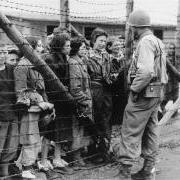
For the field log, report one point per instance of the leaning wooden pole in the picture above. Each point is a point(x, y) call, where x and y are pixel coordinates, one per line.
point(128, 33)
point(12, 32)
point(176, 105)
point(128, 42)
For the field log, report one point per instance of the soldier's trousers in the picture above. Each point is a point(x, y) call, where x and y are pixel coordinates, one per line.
point(139, 133)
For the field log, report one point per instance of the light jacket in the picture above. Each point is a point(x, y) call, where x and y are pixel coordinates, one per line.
point(149, 63)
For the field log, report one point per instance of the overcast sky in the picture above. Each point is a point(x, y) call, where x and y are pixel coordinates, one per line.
point(161, 11)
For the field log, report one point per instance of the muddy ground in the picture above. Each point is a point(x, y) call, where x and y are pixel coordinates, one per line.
point(168, 167)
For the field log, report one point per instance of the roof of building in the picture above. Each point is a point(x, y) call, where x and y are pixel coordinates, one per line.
point(91, 11)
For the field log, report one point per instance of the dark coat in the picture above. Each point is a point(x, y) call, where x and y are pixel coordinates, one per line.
point(99, 68)
point(80, 84)
point(7, 94)
point(63, 122)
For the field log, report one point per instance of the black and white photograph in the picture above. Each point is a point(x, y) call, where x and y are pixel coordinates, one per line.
point(89, 90)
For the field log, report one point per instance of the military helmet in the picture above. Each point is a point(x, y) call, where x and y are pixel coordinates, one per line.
point(139, 18)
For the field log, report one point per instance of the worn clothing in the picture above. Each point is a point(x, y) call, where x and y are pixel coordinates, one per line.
point(30, 81)
point(59, 64)
point(30, 92)
point(29, 128)
point(80, 90)
point(80, 84)
point(99, 68)
point(63, 121)
point(30, 88)
point(139, 133)
point(9, 140)
point(119, 99)
point(7, 94)
point(30, 138)
point(28, 155)
point(9, 133)
point(172, 87)
point(146, 64)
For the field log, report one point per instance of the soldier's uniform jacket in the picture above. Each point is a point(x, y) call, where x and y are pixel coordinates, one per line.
point(149, 63)
point(80, 83)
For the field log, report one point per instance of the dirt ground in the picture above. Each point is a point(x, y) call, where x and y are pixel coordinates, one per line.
point(168, 167)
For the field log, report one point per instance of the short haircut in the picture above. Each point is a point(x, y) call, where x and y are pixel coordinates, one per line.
point(95, 34)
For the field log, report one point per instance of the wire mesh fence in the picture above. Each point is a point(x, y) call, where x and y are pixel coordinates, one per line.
point(26, 99)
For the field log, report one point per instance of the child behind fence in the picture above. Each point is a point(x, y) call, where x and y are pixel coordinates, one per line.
point(8, 120)
point(31, 96)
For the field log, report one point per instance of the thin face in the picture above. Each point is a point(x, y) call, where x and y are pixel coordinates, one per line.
point(66, 48)
point(39, 47)
point(116, 47)
point(3, 55)
point(82, 50)
point(12, 59)
point(100, 43)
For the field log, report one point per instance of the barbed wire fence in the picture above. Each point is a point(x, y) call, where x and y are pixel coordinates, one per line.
point(44, 35)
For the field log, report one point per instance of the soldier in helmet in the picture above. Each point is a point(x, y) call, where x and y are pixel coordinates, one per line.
point(146, 76)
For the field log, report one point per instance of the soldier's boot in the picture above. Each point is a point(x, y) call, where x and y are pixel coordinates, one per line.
point(124, 172)
point(146, 173)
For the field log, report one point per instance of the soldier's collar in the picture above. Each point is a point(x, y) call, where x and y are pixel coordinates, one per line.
point(147, 32)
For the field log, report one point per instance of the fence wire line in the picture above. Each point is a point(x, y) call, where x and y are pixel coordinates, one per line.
point(101, 4)
point(53, 13)
point(49, 8)
point(84, 158)
point(68, 90)
point(109, 165)
point(25, 26)
point(59, 117)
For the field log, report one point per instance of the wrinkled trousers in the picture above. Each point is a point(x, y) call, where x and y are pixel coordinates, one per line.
point(102, 102)
point(29, 139)
point(139, 133)
point(9, 140)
